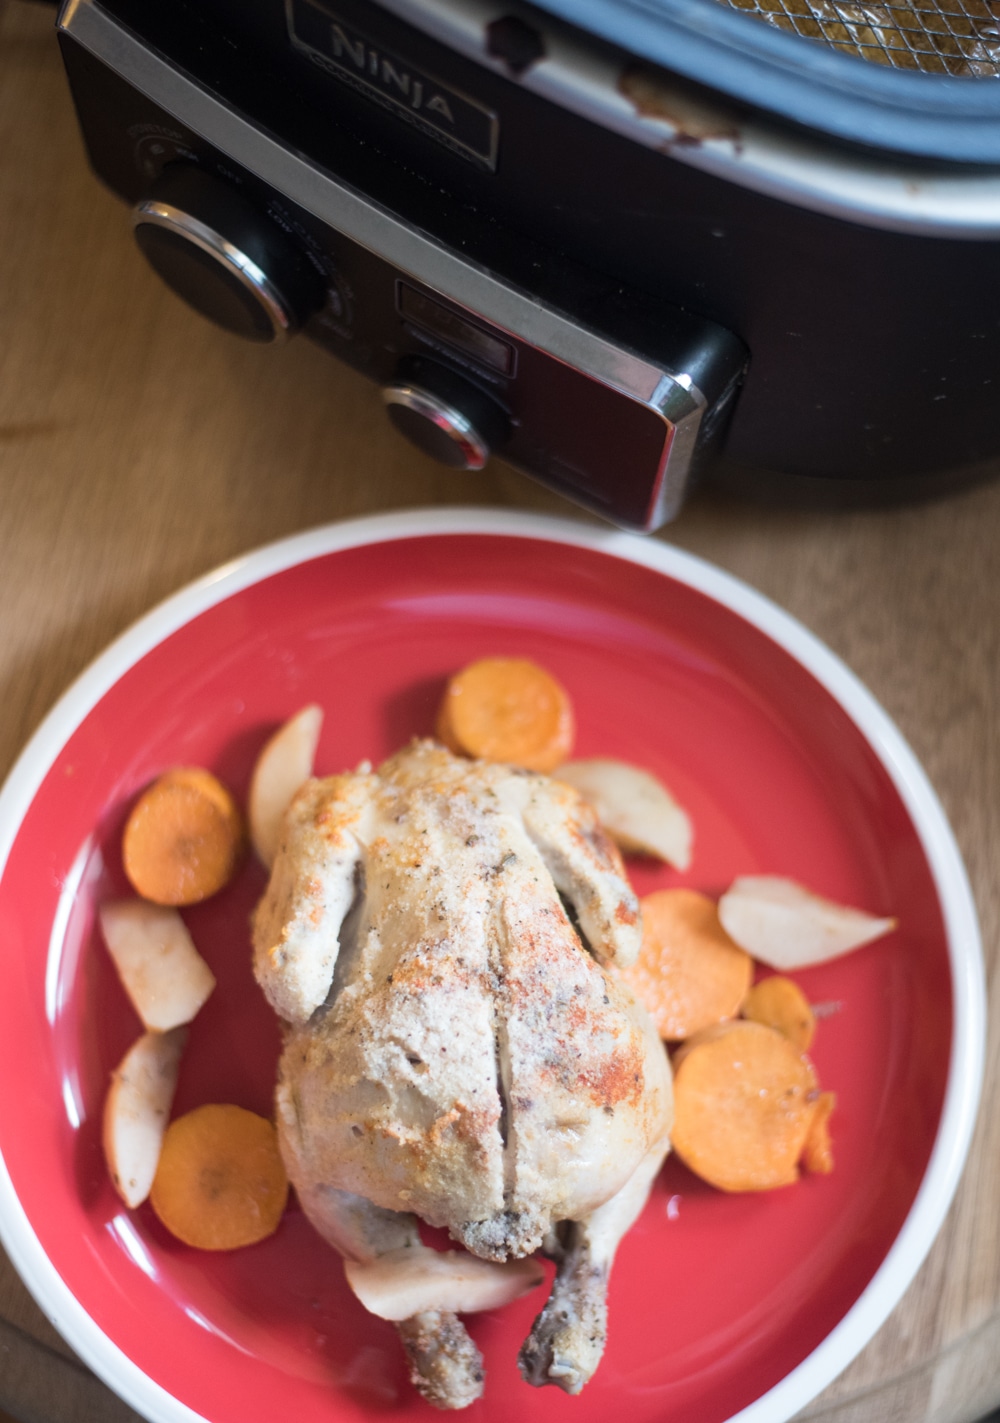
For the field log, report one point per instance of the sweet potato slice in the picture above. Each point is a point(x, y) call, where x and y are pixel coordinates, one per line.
point(817, 1155)
point(779, 1003)
point(285, 763)
point(136, 1110)
point(786, 926)
point(507, 709)
point(406, 1282)
point(165, 977)
point(744, 1099)
point(636, 809)
point(183, 839)
point(220, 1183)
point(689, 973)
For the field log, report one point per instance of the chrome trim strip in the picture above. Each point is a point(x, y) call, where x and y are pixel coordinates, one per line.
point(672, 396)
point(589, 78)
point(237, 263)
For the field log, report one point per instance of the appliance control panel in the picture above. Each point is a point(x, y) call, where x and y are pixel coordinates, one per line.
point(612, 411)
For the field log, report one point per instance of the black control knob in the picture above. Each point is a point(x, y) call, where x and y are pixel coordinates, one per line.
point(224, 256)
point(444, 414)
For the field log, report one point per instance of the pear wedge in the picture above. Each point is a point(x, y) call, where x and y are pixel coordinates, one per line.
point(636, 809)
point(786, 926)
point(408, 1281)
point(162, 972)
point(136, 1110)
point(285, 764)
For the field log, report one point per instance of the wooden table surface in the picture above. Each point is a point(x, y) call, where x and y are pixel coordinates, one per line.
point(140, 447)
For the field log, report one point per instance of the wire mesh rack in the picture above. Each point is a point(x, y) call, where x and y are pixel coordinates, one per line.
point(957, 37)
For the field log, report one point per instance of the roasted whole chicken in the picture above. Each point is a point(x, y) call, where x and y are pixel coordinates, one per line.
point(437, 935)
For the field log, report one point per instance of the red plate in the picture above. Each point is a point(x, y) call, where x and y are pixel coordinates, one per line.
point(718, 1303)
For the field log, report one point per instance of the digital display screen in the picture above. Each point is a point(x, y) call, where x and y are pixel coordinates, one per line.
point(446, 324)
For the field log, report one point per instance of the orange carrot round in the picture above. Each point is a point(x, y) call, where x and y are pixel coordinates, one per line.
point(689, 973)
point(780, 1003)
point(220, 1182)
point(183, 839)
point(817, 1156)
point(744, 1099)
point(507, 709)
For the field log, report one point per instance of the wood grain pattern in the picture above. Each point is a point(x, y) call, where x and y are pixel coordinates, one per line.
point(139, 448)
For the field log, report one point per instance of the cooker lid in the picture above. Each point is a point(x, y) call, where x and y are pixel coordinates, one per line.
point(933, 90)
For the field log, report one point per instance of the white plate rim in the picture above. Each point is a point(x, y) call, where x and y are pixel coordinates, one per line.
point(967, 1057)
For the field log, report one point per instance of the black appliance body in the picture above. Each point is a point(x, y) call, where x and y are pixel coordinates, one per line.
point(546, 244)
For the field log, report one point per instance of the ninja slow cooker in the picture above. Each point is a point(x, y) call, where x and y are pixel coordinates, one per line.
point(603, 240)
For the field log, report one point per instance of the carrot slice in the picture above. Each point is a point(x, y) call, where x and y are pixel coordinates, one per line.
point(507, 709)
point(744, 1100)
point(780, 1003)
point(220, 1182)
point(817, 1155)
point(183, 839)
point(689, 973)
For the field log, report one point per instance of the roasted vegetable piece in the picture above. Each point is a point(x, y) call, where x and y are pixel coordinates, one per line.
point(744, 1102)
point(780, 1003)
point(220, 1182)
point(136, 1110)
point(689, 973)
point(507, 709)
point(786, 926)
point(284, 765)
point(183, 839)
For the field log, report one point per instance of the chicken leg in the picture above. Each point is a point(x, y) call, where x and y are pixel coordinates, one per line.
point(567, 1339)
point(445, 1365)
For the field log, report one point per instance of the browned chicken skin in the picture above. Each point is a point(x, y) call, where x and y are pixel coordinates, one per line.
point(457, 1051)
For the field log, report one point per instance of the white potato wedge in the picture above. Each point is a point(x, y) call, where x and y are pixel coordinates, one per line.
point(786, 926)
point(136, 1110)
point(161, 970)
point(636, 809)
point(285, 763)
point(407, 1281)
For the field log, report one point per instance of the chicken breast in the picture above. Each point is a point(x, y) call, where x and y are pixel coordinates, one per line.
point(437, 936)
